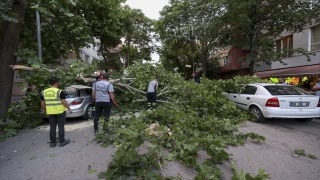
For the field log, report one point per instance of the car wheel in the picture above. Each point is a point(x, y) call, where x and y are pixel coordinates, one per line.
point(88, 113)
point(256, 112)
point(304, 119)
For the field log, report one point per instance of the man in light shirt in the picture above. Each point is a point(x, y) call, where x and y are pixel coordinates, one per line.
point(103, 97)
point(316, 87)
point(152, 93)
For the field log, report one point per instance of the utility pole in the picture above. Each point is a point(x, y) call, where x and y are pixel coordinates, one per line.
point(193, 39)
point(38, 35)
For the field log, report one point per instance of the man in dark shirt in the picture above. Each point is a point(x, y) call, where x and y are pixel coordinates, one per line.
point(54, 104)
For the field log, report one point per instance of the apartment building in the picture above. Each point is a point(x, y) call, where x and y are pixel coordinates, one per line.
point(295, 69)
point(233, 62)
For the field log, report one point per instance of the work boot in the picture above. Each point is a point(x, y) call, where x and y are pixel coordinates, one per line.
point(52, 145)
point(95, 131)
point(65, 142)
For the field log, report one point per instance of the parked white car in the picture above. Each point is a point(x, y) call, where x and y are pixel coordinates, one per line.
point(276, 101)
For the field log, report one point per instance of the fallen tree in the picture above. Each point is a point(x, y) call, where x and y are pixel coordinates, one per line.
point(90, 79)
point(196, 117)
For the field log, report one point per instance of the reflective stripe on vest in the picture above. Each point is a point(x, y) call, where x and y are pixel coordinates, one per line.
point(53, 102)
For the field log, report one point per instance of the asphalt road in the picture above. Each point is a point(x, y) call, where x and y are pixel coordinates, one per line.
point(276, 154)
point(28, 155)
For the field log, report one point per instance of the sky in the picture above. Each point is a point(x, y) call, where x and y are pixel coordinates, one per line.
point(151, 9)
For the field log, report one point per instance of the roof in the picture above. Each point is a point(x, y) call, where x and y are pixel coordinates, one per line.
point(302, 70)
point(77, 87)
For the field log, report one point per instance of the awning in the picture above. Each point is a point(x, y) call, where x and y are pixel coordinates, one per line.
point(302, 70)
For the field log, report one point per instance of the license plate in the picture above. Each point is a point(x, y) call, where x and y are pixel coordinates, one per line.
point(299, 104)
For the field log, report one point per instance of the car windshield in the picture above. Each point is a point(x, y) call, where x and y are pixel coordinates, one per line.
point(286, 90)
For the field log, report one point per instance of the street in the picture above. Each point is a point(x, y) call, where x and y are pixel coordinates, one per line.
point(276, 154)
point(29, 156)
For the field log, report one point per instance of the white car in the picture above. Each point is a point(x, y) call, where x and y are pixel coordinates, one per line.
point(276, 101)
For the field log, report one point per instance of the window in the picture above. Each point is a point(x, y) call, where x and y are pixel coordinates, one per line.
point(278, 48)
point(226, 60)
point(287, 45)
point(87, 59)
point(286, 90)
point(248, 58)
point(284, 46)
point(249, 90)
point(290, 39)
point(315, 38)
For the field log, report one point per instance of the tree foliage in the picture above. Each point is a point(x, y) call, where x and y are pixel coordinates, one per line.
point(196, 117)
point(65, 26)
point(104, 18)
point(193, 23)
point(137, 32)
point(62, 30)
point(255, 24)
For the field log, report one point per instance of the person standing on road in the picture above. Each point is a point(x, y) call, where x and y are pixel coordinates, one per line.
point(152, 93)
point(103, 97)
point(316, 88)
point(54, 104)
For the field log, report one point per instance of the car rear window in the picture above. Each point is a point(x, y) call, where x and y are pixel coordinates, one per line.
point(71, 94)
point(286, 90)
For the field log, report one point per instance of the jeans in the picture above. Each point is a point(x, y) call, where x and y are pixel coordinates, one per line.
point(103, 108)
point(55, 119)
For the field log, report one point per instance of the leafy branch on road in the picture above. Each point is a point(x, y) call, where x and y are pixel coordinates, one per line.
point(241, 175)
point(302, 152)
point(198, 117)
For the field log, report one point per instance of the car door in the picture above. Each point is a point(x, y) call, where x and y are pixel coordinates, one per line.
point(245, 98)
point(231, 95)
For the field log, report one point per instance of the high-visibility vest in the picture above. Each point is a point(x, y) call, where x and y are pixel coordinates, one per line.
point(53, 102)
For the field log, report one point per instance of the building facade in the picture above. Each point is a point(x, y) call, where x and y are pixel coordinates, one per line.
point(295, 68)
point(233, 62)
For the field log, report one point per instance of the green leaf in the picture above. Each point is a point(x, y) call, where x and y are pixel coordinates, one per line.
point(69, 14)
point(312, 156)
point(52, 155)
point(91, 171)
point(33, 158)
point(300, 152)
point(128, 132)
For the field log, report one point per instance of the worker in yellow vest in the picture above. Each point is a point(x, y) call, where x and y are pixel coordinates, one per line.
point(54, 104)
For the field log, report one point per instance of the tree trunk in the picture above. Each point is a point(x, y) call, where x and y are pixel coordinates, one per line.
point(8, 46)
point(252, 56)
point(128, 44)
point(204, 60)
